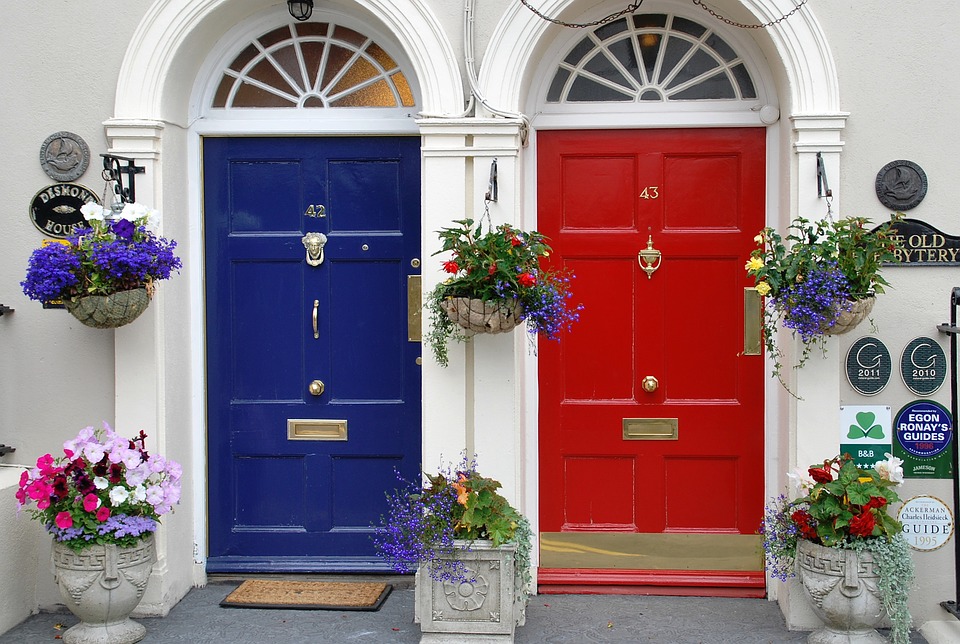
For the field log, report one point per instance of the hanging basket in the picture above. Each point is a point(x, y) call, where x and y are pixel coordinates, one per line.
point(109, 311)
point(479, 316)
point(857, 311)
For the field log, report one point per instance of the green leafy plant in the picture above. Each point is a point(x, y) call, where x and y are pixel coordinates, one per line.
point(846, 506)
point(430, 522)
point(813, 276)
point(502, 265)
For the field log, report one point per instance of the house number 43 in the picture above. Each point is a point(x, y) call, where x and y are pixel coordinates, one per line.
point(650, 192)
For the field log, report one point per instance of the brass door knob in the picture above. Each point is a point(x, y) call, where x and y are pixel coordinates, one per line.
point(316, 388)
point(650, 384)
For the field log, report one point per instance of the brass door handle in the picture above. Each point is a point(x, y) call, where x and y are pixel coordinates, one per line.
point(649, 384)
point(316, 388)
point(316, 329)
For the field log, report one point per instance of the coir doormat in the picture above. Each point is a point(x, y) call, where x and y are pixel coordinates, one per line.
point(308, 595)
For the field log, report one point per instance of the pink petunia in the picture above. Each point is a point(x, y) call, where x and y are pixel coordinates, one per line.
point(103, 513)
point(91, 502)
point(64, 520)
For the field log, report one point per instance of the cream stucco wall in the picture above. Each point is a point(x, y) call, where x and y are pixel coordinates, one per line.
point(57, 376)
point(889, 67)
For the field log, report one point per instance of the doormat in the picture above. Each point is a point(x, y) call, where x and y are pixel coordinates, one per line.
point(308, 595)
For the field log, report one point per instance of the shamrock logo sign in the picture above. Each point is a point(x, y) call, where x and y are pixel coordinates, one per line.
point(866, 427)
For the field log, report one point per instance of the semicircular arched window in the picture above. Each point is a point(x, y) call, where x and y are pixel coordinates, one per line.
point(313, 64)
point(651, 57)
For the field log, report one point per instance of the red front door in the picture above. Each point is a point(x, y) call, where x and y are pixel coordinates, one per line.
point(651, 415)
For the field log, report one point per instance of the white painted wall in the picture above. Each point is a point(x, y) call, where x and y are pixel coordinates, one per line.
point(891, 67)
point(60, 72)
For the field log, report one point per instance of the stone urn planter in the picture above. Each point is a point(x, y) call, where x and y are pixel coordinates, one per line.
point(842, 588)
point(102, 585)
point(487, 609)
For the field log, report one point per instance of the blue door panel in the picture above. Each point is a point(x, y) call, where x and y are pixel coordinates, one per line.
point(301, 505)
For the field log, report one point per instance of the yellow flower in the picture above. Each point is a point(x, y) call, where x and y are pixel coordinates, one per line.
point(758, 239)
point(763, 288)
point(754, 264)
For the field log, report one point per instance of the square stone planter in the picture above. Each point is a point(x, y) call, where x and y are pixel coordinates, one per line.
point(484, 610)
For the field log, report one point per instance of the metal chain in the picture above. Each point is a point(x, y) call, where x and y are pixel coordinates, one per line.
point(741, 25)
point(636, 5)
point(582, 25)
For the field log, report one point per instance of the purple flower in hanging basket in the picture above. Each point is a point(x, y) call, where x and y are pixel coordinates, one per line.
point(123, 228)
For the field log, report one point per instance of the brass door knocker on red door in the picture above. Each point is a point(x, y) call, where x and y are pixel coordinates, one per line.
point(649, 258)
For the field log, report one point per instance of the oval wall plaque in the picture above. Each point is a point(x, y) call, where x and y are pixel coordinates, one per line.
point(923, 366)
point(868, 366)
point(55, 210)
point(927, 522)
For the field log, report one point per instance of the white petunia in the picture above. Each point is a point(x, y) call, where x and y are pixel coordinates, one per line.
point(890, 469)
point(802, 479)
point(92, 211)
point(101, 482)
point(118, 495)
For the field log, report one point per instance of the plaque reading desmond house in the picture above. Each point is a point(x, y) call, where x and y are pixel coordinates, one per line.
point(55, 210)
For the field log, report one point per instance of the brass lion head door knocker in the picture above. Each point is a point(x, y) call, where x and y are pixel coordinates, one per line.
point(314, 243)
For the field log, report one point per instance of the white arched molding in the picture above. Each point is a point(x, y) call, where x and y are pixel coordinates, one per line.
point(172, 28)
point(805, 56)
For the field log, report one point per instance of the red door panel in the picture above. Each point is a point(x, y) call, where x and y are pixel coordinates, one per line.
point(699, 196)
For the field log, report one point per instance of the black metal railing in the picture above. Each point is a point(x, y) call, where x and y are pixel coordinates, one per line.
point(952, 330)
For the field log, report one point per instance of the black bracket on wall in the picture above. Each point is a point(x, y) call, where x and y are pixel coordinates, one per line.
point(823, 188)
point(6, 449)
point(5, 309)
point(114, 170)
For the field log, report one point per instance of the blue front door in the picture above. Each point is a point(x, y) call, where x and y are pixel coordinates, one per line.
point(298, 475)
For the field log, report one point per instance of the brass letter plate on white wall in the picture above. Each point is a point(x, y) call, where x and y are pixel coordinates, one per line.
point(308, 429)
point(650, 429)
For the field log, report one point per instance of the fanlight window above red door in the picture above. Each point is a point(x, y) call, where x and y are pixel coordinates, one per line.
point(651, 57)
point(313, 64)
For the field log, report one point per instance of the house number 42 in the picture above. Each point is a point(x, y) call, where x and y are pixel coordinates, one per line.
point(650, 192)
point(315, 211)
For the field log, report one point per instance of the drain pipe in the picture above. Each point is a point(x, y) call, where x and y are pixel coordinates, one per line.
point(468, 59)
point(952, 330)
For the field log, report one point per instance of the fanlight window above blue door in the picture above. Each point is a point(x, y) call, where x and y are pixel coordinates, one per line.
point(651, 57)
point(313, 64)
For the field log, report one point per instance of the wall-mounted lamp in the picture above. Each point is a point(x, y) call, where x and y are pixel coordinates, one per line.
point(300, 9)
